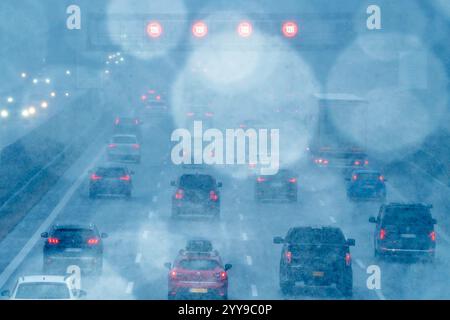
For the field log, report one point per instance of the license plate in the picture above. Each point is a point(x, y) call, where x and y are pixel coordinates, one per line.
point(318, 274)
point(73, 250)
point(408, 235)
point(198, 290)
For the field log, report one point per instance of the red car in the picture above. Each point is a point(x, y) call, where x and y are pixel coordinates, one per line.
point(198, 274)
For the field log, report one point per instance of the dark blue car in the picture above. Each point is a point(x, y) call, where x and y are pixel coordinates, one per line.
point(365, 184)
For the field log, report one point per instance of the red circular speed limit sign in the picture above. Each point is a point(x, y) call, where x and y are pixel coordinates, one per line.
point(290, 29)
point(199, 29)
point(245, 29)
point(154, 29)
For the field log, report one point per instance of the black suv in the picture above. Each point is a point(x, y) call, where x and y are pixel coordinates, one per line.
point(196, 194)
point(316, 256)
point(109, 181)
point(73, 245)
point(405, 230)
point(282, 185)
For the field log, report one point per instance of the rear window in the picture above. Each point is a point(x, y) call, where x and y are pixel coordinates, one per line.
point(73, 234)
point(111, 172)
point(42, 291)
point(409, 216)
point(124, 139)
point(316, 236)
point(197, 181)
point(198, 264)
point(368, 176)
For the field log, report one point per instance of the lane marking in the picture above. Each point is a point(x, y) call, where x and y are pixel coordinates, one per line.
point(426, 173)
point(360, 264)
point(333, 220)
point(145, 234)
point(138, 258)
point(129, 288)
point(18, 259)
point(244, 236)
point(249, 260)
point(254, 290)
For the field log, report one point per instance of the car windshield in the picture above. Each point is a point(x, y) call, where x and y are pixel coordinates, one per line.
point(42, 290)
point(124, 139)
point(110, 172)
point(197, 182)
point(73, 234)
point(198, 264)
point(316, 236)
point(368, 176)
point(407, 216)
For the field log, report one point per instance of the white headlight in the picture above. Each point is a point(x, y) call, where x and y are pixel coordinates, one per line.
point(32, 110)
point(4, 113)
point(44, 104)
point(25, 113)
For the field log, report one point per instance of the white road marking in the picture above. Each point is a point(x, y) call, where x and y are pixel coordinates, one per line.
point(426, 173)
point(254, 290)
point(244, 236)
point(241, 217)
point(249, 260)
point(129, 288)
point(138, 258)
point(333, 220)
point(360, 264)
point(145, 234)
point(15, 263)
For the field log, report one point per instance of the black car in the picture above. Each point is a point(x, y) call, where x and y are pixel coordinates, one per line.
point(282, 185)
point(196, 194)
point(316, 256)
point(110, 181)
point(73, 245)
point(128, 125)
point(366, 185)
point(405, 230)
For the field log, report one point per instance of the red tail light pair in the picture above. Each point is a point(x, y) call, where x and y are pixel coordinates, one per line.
point(432, 235)
point(213, 196)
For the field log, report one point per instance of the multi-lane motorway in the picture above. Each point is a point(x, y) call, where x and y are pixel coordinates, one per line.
point(142, 236)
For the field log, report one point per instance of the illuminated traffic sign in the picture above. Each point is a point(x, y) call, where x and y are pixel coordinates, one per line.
point(199, 29)
point(154, 29)
point(245, 29)
point(289, 29)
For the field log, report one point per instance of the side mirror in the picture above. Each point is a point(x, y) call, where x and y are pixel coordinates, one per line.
point(168, 265)
point(6, 293)
point(433, 221)
point(44, 235)
point(219, 184)
point(372, 220)
point(351, 242)
point(278, 240)
point(172, 183)
point(228, 266)
point(104, 235)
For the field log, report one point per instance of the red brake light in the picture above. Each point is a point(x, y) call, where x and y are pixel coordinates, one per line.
point(293, 180)
point(382, 234)
point(213, 196)
point(173, 274)
point(357, 163)
point(288, 256)
point(136, 146)
point(432, 235)
point(348, 259)
point(125, 178)
point(381, 178)
point(95, 177)
point(223, 275)
point(179, 194)
point(366, 162)
point(53, 240)
point(93, 241)
point(117, 121)
point(355, 177)
point(325, 161)
point(158, 97)
point(112, 145)
point(260, 179)
point(190, 114)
